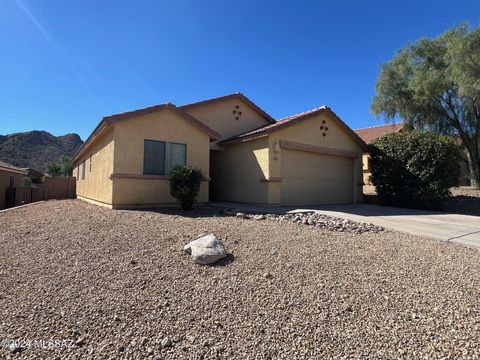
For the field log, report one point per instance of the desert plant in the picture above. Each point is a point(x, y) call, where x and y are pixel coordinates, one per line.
point(65, 166)
point(54, 169)
point(185, 185)
point(27, 181)
point(434, 84)
point(414, 169)
point(60, 168)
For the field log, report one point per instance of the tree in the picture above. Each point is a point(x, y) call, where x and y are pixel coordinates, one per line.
point(60, 168)
point(434, 84)
point(27, 181)
point(66, 167)
point(185, 185)
point(414, 169)
point(54, 169)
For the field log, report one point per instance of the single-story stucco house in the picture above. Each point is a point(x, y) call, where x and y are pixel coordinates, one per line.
point(35, 175)
point(10, 176)
point(244, 154)
point(370, 134)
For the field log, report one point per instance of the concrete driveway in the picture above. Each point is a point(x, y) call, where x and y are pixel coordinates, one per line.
point(463, 229)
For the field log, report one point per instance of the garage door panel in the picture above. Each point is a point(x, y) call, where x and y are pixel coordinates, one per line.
point(310, 178)
point(302, 184)
point(320, 197)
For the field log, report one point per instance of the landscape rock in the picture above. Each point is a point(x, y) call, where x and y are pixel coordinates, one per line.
point(206, 249)
point(241, 215)
point(166, 342)
point(322, 221)
point(80, 341)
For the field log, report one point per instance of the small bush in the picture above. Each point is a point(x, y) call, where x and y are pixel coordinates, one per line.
point(54, 169)
point(27, 181)
point(414, 169)
point(60, 168)
point(185, 185)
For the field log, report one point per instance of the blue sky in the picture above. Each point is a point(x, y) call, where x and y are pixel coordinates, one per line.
point(65, 64)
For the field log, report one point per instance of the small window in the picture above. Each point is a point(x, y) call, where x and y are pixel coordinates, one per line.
point(83, 170)
point(154, 157)
point(90, 164)
point(78, 172)
point(159, 157)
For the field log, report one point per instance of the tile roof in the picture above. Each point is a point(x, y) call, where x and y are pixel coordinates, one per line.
point(236, 95)
point(110, 119)
point(290, 120)
point(167, 106)
point(7, 166)
point(180, 110)
point(372, 133)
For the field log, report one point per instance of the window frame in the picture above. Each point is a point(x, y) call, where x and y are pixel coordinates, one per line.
point(184, 157)
point(165, 173)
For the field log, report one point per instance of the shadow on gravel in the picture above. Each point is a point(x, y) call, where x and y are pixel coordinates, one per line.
point(224, 262)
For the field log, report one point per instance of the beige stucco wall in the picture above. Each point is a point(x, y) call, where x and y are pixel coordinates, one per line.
point(5, 183)
point(97, 185)
point(220, 117)
point(308, 132)
point(237, 172)
point(366, 170)
point(129, 146)
point(365, 162)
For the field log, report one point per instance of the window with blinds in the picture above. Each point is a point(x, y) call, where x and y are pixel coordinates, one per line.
point(160, 157)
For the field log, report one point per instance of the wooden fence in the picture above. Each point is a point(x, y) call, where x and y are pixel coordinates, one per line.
point(52, 188)
point(59, 187)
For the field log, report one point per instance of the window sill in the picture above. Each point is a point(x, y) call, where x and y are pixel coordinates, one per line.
point(139, 176)
point(144, 177)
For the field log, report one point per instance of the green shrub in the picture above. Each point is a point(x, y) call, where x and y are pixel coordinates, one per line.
point(185, 185)
point(414, 169)
point(27, 181)
point(65, 166)
point(54, 169)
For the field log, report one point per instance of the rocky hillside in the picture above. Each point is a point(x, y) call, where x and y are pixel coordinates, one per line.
point(37, 148)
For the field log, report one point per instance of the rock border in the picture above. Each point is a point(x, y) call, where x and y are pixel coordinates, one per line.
point(321, 221)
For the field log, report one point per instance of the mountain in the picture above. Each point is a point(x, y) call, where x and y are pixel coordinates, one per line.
point(35, 149)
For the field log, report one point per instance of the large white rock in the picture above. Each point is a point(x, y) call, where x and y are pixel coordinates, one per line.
point(206, 249)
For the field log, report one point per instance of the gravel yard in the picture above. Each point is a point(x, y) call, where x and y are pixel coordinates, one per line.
point(116, 284)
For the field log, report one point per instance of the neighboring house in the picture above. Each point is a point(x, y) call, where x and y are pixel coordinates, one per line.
point(35, 175)
point(372, 133)
point(10, 176)
point(369, 135)
point(244, 154)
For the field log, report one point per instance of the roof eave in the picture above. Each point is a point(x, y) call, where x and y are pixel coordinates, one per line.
point(109, 120)
point(239, 95)
point(13, 170)
point(293, 121)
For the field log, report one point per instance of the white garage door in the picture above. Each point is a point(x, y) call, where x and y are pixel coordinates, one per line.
point(310, 178)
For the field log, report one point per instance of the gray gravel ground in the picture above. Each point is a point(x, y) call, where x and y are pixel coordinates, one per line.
point(118, 284)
